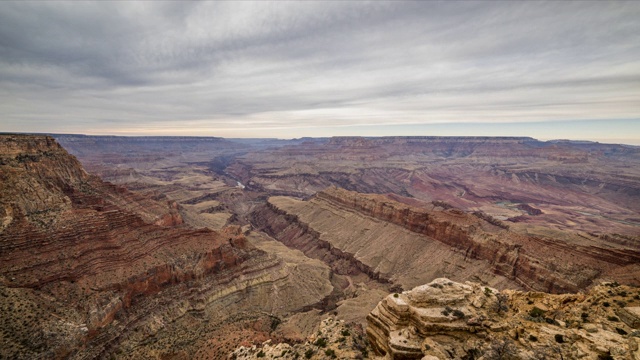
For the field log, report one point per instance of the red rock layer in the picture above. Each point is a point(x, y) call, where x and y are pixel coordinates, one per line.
point(536, 263)
point(97, 251)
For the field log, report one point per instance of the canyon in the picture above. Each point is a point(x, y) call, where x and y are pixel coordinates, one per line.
point(187, 248)
point(90, 269)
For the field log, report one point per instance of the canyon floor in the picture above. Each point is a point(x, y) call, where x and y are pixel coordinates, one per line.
point(181, 248)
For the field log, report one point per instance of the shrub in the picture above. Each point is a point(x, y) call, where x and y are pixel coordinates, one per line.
point(501, 349)
point(260, 354)
point(551, 321)
point(274, 323)
point(536, 312)
point(458, 314)
point(395, 295)
point(308, 354)
point(320, 342)
point(330, 353)
point(501, 304)
point(559, 338)
point(345, 332)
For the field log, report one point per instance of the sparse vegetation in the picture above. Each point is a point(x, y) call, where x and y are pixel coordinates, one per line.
point(501, 305)
point(536, 312)
point(559, 338)
point(501, 349)
point(330, 353)
point(458, 314)
point(320, 342)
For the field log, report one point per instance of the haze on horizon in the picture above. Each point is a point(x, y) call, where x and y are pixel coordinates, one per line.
point(548, 70)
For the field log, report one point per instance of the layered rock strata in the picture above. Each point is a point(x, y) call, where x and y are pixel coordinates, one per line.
point(576, 186)
point(90, 270)
point(449, 320)
point(345, 220)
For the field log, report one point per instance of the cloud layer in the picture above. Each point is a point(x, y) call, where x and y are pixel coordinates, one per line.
point(299, 68)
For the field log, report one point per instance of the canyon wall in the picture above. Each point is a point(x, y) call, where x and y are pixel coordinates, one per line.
point(536, 263)
point(89, 269)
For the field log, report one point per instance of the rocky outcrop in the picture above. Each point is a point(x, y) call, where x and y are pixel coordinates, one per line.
point(88, 268)
point(449, 320)
point(334, 339)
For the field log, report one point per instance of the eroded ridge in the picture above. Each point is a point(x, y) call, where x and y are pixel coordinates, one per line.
point(89, 270)
point(533, 262)
point(450, 320)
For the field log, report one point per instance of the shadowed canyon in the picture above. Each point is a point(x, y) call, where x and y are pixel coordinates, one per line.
point(212, 248)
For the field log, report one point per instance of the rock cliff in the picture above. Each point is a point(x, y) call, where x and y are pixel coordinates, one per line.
point(351, 223)
point(449, 320)
point(588, 187)
point(91, 270)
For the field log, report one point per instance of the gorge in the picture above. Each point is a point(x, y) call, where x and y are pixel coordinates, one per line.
point(154, 251)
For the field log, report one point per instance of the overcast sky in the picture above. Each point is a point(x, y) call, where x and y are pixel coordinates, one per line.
point(290, 69)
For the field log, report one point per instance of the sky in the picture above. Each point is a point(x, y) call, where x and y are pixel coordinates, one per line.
point(549, 70)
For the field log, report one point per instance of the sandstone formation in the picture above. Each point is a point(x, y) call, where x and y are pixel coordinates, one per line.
point(409, 245)
point(449, 320)
point(91, 270)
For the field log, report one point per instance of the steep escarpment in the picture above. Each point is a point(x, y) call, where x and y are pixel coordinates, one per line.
point(448, 320)
point(473, 244)
point(587, 187)
point(292, 232)
point(353, 241)
point(90, 270)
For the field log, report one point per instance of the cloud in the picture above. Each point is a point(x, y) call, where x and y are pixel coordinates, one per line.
point(158, 67)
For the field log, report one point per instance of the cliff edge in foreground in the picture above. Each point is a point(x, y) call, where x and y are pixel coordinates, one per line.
point(449, 320)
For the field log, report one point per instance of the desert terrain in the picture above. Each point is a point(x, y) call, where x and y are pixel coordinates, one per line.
point(184, 248)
